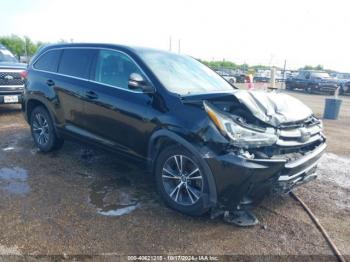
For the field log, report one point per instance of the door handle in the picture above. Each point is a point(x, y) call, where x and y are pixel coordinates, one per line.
point(91, 95)
point(50, 82)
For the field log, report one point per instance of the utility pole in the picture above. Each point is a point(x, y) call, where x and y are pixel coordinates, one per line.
point(25, 49)
point(284, 72)
point(170, 44)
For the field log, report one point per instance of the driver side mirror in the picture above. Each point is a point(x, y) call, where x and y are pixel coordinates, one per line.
point(136, 81)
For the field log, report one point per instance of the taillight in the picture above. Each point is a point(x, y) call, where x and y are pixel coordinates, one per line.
point(23, 74)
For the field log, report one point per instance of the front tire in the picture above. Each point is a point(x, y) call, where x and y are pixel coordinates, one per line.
point(181, 181)
point(309, 89)
point(43, 131)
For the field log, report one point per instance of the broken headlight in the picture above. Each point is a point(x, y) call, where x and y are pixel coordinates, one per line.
point(241, 136)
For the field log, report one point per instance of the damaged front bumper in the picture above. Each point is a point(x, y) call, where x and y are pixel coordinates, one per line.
point(299, 171)
point(242, 182)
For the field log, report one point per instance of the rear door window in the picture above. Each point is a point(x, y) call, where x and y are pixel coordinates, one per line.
point(48, 61)
point(76, 62)
point(114, 68)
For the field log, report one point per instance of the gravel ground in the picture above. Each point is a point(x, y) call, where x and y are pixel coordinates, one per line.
point(84, 201)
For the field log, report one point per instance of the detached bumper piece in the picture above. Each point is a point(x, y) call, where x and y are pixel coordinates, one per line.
point(241, 218)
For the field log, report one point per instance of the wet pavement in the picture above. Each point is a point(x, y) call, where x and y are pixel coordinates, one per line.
point(82, 200)
point(14, 180)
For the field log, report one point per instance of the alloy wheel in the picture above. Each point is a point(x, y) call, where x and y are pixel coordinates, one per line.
point(40, 128)
point(182, 180)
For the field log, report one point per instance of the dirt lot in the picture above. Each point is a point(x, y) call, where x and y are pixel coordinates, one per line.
point(81, 200)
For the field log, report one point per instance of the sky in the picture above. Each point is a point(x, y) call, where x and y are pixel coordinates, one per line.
point(307, 32)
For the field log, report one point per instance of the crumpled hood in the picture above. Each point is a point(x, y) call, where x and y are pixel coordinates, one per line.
point(273, 108)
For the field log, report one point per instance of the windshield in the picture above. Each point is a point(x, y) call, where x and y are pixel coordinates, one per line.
point(7, 56)
point(183, 75)
point(320, 75)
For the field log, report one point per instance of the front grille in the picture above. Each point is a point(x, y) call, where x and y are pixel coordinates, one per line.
point(300, 134)
point(10, 79)
point(295, 140)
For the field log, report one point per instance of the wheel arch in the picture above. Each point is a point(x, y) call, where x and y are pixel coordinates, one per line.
point(163, 138)
point(32, 103)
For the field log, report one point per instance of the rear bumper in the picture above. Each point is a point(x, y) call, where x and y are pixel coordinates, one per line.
point(241, 181)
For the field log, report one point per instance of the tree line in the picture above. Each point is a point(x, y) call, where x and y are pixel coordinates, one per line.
point(20, 46)
point(26, 47)
point(218, 64)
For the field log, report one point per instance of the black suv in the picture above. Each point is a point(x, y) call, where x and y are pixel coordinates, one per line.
point(12, 75)
point(210, 146)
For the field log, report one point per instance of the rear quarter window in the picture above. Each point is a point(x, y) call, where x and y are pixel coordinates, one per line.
point(76, 62)
point(48, 61)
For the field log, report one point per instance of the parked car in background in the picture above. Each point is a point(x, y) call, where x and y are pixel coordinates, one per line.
point(264, 76)
point(12, 75)
point(258, 78)
point(345, 88)
point(228, 77)
point(343, 81)
point(210, 146)
point(241, 78)
point(312, 81)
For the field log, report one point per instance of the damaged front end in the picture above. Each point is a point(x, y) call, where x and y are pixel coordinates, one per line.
point(273, 143)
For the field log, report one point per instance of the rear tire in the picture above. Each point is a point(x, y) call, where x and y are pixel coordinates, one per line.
point(43, 131)
point(175, 165)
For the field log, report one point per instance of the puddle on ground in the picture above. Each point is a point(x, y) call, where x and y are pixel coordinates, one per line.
point(13, 143)
point(119, 211)
point(14, 180)
point(35, 151)
point(113, 196)
point(88, 155)
point(9, 148)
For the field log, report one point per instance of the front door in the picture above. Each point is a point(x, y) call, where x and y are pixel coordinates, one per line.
point(116, 115)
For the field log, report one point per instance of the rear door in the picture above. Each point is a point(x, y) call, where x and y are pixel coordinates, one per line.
point(114, 114)
point(71, 83)
point(42, 74)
